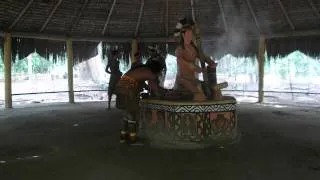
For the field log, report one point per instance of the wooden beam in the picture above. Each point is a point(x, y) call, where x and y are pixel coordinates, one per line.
point(78, 17)
point(261, 60)
point(206, 37)
point(284, 12)
point(70, 69)
point(139, 18)
point(50, 15)
point(108, 18)
point(253, 15)
point(24, 10)
point(7, 71)
point(223, 16)
point(193, 11)
point(314, 8)
point(167, 18)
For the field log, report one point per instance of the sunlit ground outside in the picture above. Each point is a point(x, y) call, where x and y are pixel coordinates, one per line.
point(291, 79)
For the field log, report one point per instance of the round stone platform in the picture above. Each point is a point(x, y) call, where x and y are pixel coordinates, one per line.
point(189, 124)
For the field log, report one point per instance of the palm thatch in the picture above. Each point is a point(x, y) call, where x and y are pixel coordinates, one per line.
point(282, 46)
point(227, 26)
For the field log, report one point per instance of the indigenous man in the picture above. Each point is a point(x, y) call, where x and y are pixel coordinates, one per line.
point(128, 94)
point(155, 55)
point(112, 68)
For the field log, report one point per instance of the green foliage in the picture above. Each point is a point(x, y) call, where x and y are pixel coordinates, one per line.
point(20, 66)
point(297, 64)
point(1, 61)
point(234, 66)
point(40, 64)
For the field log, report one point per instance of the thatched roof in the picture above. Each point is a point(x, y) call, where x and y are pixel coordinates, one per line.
point(220, 21)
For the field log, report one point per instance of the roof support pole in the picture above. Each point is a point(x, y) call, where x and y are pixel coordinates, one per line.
point(284, 12)
point(24, 10)
point(70, 69)
point(139, 19)
point(223, 16)
point(261, 60)
point(7, 71)
point(50, 15)
point(108, 18)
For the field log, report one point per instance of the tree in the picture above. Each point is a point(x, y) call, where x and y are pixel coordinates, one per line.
point(1, 61)
point(20, 66)
point(40, 64)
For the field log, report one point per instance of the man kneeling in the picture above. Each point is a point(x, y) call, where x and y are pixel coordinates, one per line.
point(128, 96)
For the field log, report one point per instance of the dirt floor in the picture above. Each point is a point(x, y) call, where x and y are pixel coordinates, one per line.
point(81, 141)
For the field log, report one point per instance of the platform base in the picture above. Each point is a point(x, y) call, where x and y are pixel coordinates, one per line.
point(189, 124)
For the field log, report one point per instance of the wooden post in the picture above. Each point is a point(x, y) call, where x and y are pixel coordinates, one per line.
point(134, 49)
point(70, 69)
point(7, 71)
point(261, 60)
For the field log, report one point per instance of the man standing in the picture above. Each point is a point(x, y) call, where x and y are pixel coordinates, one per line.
point(113, 69)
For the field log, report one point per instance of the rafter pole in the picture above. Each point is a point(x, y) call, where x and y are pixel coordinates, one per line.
point(167, 17)
point(50, 15)
point(7, 71)
point(109, 17)
point(253, 15)
point(193, 11)
point(223, 16)
point(24, 10)
point(285, 13)
point(84, 5)
point(314, 8)
point(139, 18)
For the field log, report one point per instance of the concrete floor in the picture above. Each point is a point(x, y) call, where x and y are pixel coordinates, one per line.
point(80, 141)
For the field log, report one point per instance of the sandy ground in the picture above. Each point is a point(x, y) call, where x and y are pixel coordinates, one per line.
point(80, 141)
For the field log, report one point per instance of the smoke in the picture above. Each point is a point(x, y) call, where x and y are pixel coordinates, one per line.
point(235, 39)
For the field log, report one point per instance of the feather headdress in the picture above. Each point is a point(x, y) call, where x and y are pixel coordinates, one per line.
point(182, 25)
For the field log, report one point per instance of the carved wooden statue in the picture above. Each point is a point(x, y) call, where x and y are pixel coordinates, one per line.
point(187, 54)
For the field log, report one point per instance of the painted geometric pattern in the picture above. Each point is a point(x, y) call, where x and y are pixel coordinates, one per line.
point(200, 126)
point(190, 108)
point(194, 126)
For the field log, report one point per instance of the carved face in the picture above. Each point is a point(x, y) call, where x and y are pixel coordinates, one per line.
point(187, 36)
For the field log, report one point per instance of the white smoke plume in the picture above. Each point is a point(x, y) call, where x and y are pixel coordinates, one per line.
point(238, 28)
